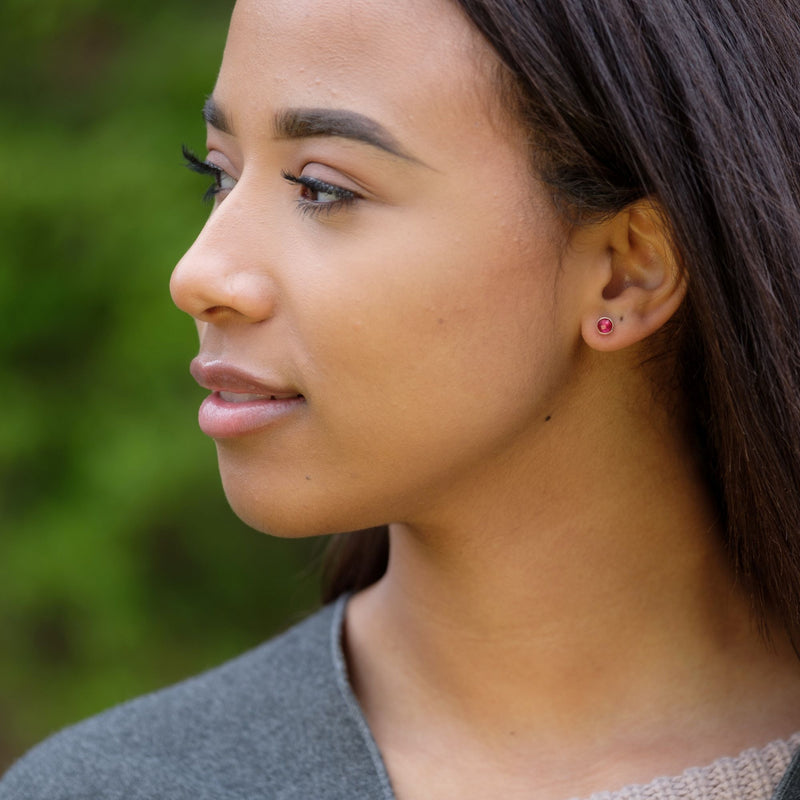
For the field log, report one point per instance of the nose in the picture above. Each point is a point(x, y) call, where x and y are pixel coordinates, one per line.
point(222, 275)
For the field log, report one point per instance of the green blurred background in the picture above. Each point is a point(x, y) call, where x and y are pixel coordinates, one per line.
point(121, 566)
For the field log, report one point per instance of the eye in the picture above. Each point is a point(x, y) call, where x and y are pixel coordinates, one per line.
point(318, 196)
point(223, 182)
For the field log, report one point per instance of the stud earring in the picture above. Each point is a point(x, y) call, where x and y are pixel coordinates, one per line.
point(605, 325)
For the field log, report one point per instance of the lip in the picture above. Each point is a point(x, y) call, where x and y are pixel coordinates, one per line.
point(217, 376)
point(220, 417)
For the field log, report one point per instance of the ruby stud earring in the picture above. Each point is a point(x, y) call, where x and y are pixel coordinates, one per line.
point(605, 325)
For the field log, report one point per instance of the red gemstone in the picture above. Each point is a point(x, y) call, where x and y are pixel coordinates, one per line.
point(605, 325)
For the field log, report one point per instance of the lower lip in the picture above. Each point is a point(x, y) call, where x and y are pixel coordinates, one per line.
point(220, 419)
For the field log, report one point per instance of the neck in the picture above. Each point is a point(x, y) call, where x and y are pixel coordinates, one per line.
point(574, 605)
point(586, 592)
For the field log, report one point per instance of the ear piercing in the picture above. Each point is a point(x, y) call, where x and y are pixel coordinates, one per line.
point(605, 325)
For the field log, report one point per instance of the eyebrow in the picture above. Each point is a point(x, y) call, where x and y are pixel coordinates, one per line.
point(303, 123)
point(216, 117)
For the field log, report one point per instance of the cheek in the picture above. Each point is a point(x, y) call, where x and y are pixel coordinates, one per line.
point(455, 282)
point(432, 330)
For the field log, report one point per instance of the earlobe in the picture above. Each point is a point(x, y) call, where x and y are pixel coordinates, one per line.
point(641, 284)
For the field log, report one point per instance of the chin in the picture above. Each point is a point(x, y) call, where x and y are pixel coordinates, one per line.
point(285, 511)
point(273, 515)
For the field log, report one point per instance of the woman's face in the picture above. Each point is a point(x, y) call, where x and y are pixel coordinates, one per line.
point(379, 260)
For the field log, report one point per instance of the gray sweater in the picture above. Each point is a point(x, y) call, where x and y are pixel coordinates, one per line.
point(278, 722)
point(282, 722)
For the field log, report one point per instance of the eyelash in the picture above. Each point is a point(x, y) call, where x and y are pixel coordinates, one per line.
point(204, 168)
point(344, 197)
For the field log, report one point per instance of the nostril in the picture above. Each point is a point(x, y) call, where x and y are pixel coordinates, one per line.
point(216, 280)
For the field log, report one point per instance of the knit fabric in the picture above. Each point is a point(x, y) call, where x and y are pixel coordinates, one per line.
point(752, 775)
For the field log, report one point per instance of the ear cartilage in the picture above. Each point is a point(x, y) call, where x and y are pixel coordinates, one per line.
point(605, 325)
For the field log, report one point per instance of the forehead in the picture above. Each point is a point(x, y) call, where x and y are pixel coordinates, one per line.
point(394, 61)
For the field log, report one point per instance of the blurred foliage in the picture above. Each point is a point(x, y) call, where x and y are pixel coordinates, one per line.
point(121, 566)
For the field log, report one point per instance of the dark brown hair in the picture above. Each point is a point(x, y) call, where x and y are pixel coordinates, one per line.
point(695, 103)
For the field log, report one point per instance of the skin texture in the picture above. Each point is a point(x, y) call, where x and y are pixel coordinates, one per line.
point(556, 594)
point(423, 323)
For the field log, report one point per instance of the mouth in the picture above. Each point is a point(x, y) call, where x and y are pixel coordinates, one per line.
point(241, 397)
point(240, 402)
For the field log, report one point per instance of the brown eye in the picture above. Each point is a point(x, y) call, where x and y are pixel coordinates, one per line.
point(318, 195)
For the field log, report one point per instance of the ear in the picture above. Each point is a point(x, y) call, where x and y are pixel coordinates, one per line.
point(635, 279)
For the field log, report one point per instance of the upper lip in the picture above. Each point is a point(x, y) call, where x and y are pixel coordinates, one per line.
point(218, 376)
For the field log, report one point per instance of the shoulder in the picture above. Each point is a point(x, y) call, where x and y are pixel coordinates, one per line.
point(275, 722)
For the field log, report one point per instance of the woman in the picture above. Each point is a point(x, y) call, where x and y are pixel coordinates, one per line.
point(520, 280)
